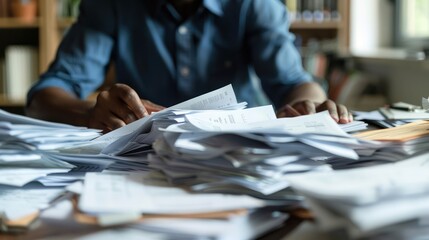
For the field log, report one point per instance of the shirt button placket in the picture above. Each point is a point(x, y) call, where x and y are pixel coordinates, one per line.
point(184, 61)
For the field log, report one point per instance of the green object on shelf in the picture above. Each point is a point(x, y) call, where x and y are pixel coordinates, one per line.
point(73, 8)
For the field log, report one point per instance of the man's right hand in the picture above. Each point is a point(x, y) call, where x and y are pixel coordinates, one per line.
point(118, 106)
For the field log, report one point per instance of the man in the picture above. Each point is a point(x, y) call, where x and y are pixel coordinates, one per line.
point(167, 51)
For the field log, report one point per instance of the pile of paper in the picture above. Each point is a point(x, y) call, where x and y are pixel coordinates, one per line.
point(250, 225)
point(19, 132)
point(27, 148)
point(387, 145)
point(367, 200)
point(156, 207)
point(399, 142)
point(235, 151)
point(137, 137)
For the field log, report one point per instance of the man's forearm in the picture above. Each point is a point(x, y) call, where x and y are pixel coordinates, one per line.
point(307, 91)
point(57, 105)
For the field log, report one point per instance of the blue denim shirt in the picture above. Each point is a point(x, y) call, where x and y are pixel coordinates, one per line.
point(167, 59)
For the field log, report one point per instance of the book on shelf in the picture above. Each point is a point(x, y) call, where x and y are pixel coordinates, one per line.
point(318, 15)
point(67, 8)
point(335, 14)
point(21, 71)
point(307, 10)
point(4, 8)
point(313, 10)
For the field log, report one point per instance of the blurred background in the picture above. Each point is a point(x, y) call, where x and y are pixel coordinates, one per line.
point(365, 53)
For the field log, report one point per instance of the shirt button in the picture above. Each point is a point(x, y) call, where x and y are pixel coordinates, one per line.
point(183, 30)
point(184, 71)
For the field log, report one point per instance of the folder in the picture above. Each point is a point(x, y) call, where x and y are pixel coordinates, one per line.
point(390, 113)
point(19, 225)
point(404, 133)
point(109, 219)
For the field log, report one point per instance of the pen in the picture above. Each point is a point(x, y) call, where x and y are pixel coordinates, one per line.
point(407, 109)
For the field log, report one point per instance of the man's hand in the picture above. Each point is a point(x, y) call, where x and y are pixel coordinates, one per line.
point(338, 112)
point(118, 106)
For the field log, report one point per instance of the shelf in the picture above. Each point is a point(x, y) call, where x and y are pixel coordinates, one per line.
point(315, 25)
point(18, 23)
point(389, 54)
point(5, 102)
point(64, 23)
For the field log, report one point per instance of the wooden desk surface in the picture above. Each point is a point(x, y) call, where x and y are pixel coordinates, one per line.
point(57, 222)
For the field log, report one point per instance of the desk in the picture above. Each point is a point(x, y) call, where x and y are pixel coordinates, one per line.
point(57, 222)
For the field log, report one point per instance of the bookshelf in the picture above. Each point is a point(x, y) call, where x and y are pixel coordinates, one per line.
point(43, 33)
point(325, 29)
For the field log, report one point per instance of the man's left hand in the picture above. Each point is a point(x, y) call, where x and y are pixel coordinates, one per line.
point(338, 112)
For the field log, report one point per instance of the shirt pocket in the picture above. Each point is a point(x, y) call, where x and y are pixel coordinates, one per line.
point(223, 64)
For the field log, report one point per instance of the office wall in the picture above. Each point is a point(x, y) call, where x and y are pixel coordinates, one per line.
point(405, 80)
point(371, 38)
point(371, 23)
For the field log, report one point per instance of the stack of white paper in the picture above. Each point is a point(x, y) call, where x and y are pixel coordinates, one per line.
point(242, 226)
point(18, 203)
point(21, 132)
point(28, 151)
point(368, 198)
point(235, 151)
point(394, 144)
point(121, 192)
point(171, 212)
point(136, 138)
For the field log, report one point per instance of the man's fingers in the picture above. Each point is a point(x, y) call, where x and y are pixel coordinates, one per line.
point(308, 107)
point(287, 111)
point(344, 115)
point(131, 99)
point(152, 107)
point(338, 112)
point(331, 106)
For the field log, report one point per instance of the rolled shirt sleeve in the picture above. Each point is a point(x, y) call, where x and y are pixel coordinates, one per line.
point(84, 54)
point(273, 55)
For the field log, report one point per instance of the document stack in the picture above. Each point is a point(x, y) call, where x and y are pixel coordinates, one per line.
point(369, 201)
point(29, 162)
point(28, 147)
point(28, 133)
point(236, 152)
point(156, 207)
point(136, 138)
point(388, 145)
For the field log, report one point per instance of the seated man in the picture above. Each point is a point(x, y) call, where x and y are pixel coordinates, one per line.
point(168, 51)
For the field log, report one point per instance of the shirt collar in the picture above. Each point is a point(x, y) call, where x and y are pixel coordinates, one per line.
point(214, 6)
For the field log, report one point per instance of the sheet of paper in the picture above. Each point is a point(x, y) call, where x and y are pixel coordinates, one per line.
point(366, 185)
point(132, 192)
point(19, 203)
point(221, 98)
point(390, 113)
point(354, 126)
point(319, 123)
point(372, 115)
point(20, 176)
point(231, 119)
point(19, 119)
point(425, 103)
